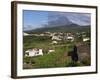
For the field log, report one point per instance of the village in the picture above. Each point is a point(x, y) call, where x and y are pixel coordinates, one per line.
point(56, 38)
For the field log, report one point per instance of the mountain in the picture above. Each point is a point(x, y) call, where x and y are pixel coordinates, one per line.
point(58, 20)
point(62, 23)
point(65, 28)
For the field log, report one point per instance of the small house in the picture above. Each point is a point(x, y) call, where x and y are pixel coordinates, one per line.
point(33, 52)
point(50, 51)
point(26, 34)
point(70, 38)
point(56, 38)
point(54, 42)
point(86, 39)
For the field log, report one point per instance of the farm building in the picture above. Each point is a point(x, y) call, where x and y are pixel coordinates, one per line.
point(33, 52)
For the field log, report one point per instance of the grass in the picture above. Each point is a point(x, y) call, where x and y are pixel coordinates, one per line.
point(58, 58)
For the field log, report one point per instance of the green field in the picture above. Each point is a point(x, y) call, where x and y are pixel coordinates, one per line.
point(59, 58)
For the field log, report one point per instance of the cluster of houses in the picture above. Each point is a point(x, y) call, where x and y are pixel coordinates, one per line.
point(55, 38)
point(58, 36)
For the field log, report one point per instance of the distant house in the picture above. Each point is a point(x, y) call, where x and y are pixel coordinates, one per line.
point(26, 34)
point(56, 38)
point(33, 52)
point(41, 34)
point(68, 37)
point(54, 42)
point(50, 51)
point(71, 38)
point(86, 39)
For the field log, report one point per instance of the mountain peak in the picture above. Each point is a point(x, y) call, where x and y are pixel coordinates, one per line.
point(58, 20)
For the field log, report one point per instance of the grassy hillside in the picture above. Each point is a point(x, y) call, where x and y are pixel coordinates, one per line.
point(59, 58)
point(66, 28)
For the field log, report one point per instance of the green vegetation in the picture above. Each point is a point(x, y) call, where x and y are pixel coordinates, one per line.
point(59, 58)
point(66, 28)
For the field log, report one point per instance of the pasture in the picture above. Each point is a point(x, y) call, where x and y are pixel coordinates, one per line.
point(59, 58)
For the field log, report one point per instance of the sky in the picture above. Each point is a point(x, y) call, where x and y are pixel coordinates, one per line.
point(36, 19)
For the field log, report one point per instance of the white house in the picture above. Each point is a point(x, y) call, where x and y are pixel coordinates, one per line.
point(41, 34)
point(50, 51)
point(54, 42)
point(86, 39)
point(33, 52)
point(56, 38)
point(26, 34)
point(71, 38)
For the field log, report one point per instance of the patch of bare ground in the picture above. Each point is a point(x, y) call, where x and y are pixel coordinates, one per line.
point(84, 54)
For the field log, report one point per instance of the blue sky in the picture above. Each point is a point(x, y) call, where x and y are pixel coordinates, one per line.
point(36, 19)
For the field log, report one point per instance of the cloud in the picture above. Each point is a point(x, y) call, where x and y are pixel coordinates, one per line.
point(77, 18)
